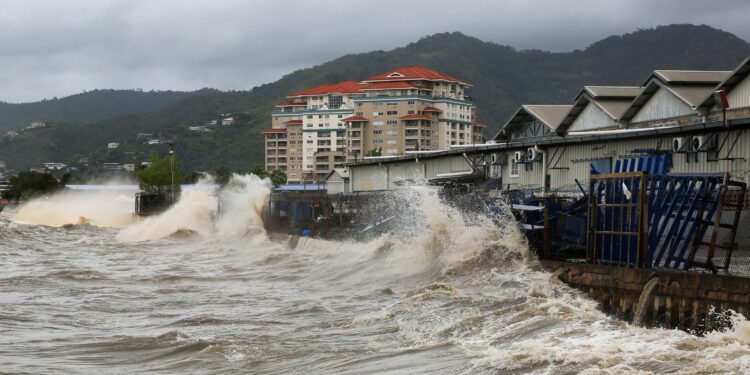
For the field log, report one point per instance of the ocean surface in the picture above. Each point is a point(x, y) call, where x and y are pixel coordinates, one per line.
point(85, 289)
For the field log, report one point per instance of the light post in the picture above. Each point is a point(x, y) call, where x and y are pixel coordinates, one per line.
point(171, 169)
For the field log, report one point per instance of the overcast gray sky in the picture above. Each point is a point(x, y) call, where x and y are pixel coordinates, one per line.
point(58, 48)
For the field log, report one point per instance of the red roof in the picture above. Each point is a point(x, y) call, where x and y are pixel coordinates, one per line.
point(346, 87)
point(413, 73)
point(355, 119)
point(273, 131)
point(290, 103)
point(431, 109)
point(392, 85)
point(415, 117)
point(293, 122)
point(478, 124)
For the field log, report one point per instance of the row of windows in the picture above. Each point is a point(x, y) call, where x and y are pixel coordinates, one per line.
point(324, 116)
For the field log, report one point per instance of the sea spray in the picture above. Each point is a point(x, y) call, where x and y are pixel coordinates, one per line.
point(234, 211)
point(111, 209)
point(242, 202)
point(194, 212)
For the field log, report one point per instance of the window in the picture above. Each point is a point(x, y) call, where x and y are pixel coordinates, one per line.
point(392, 122)
point(513, 167)
point(410, 102)
point(392, 104)
point(335, 101)
point(391, 113)
point(391, 132)
point(377, 113)
point(309, 125)
point(378, 123)
point(391, 142)
point(377, 141)
point(377, 132)
point(309, 116)
point(360, 114)
point(391, 151)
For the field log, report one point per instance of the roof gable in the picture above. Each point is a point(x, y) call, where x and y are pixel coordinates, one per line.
point(662, 104)
point(548, 115)
point(734, 80)
point(414, 73)
point(611, 101)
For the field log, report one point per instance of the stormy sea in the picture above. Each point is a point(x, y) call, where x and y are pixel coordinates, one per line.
point(87, 289)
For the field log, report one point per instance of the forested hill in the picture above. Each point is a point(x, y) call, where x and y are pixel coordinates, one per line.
point(87, 107)
point(503, 78)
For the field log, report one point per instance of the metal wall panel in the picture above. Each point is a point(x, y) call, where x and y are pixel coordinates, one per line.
point(592, 117)
point(662, 105)
point(574, 163)
point(739, 97)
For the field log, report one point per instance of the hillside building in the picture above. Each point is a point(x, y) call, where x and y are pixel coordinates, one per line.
point(394, 113)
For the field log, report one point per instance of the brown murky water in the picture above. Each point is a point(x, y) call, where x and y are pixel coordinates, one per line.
point(189, 292)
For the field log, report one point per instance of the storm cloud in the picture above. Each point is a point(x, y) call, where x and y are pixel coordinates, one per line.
point(56, 48)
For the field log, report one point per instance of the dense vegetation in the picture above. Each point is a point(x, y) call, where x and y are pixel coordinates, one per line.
point(160, 174)
point(27, 185)
point(503, 79)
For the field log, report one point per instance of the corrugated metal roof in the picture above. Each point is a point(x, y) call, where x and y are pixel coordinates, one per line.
point(692, 76)
point(613, 91)
point(692, 95)
point(550, 115)
point(615, 108)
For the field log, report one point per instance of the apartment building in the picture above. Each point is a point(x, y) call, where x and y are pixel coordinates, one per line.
point(410, 109)
point(407, 109)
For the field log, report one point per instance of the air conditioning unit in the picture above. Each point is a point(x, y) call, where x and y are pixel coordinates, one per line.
point(678, 143)
point(518, 156)
point(703, 143)
point(531, 154)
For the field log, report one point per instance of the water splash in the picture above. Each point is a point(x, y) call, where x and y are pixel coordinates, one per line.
point(110, 209)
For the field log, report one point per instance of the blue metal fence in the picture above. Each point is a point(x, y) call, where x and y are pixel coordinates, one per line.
point(658, 220)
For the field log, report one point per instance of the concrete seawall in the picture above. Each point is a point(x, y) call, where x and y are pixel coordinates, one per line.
point(687, 300)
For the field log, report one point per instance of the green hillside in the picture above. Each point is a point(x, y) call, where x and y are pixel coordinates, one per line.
point(87, 107)
point(503, 79)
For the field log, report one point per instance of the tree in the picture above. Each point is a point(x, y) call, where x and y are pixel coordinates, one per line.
point(222, 175)
point(375, 152)
point(157, 177)
point(259, 171)
point(30, 184)
point(278, 177)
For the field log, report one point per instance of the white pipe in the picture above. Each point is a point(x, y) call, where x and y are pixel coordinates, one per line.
point(544, 165)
